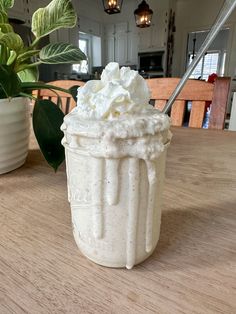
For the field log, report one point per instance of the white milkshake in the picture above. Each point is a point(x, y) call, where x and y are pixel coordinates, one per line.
point(115, 145)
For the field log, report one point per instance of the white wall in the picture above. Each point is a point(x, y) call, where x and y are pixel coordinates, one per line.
point(96, 48)
point(192, 15)
point(89, 8)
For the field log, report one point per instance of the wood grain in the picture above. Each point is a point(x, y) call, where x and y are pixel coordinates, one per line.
point(67, 102)
point(160, 104)
point(193, 269)
point(162, 88)
point(177, 113)
point(197, 114)
point(218, 112)
point(196, 91)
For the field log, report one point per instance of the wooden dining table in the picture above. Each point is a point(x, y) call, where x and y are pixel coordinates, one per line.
point(192, 270)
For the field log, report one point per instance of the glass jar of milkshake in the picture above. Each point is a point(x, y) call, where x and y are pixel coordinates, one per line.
point(115, 145)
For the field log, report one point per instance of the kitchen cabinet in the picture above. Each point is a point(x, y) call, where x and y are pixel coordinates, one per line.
point(89, 26)
point(154, 37)
point(132, 48)
point(109, 43)
point(121, 44)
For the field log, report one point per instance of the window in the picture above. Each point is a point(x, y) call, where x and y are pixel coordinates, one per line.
point(82, 67)
point(91, 47)
point(214, 60)
point(207, 65)
point(83, 45)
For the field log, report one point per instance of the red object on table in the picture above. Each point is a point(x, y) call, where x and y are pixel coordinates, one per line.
point(211, 79)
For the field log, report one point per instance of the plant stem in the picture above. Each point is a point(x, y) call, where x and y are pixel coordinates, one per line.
point(3, 54)
point(38, 85)
point(28, 66)
point(28, 95)
point(32, 65)
point(12, 58)
point(34, 43)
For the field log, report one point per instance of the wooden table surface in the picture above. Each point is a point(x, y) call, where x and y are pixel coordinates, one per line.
point(193, 269)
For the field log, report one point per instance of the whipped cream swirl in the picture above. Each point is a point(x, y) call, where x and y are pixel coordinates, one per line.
point(119, 92)
point(113, 118)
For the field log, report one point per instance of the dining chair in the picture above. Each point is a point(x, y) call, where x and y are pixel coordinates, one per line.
point(67, 102)
point(199, 93)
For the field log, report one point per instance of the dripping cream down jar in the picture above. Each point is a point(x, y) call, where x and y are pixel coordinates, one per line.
point(115, 145)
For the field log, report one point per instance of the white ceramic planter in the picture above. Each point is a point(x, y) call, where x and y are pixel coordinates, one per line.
point(14, 133)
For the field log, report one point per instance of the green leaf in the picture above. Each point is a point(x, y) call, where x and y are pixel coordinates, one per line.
point(27, 55)
point(12, 41)
point(6, 28)
point(3, 16)
point(47, 120)
point(58, 14)
point(61, 53)
point(9, 81)
point(2, 94)
point(29, 75)
point(12, 57)
point(39, 85)
point(6, 4)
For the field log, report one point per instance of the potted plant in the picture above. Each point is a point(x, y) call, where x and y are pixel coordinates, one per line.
point(19, 77)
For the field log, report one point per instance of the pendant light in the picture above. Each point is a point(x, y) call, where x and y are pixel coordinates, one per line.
point(112, 6)
point(194, 45)
point(143, 15)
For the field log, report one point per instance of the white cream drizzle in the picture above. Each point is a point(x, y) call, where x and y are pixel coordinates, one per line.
point(97, 196)
point(133, 207)
point(152, 180)
point(112, 166)
point(68, 176)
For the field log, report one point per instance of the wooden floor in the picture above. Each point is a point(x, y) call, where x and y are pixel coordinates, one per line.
point(193, 269)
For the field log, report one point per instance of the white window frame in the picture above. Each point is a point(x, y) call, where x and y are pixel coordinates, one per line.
point(220, 63)
point(87, 38)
